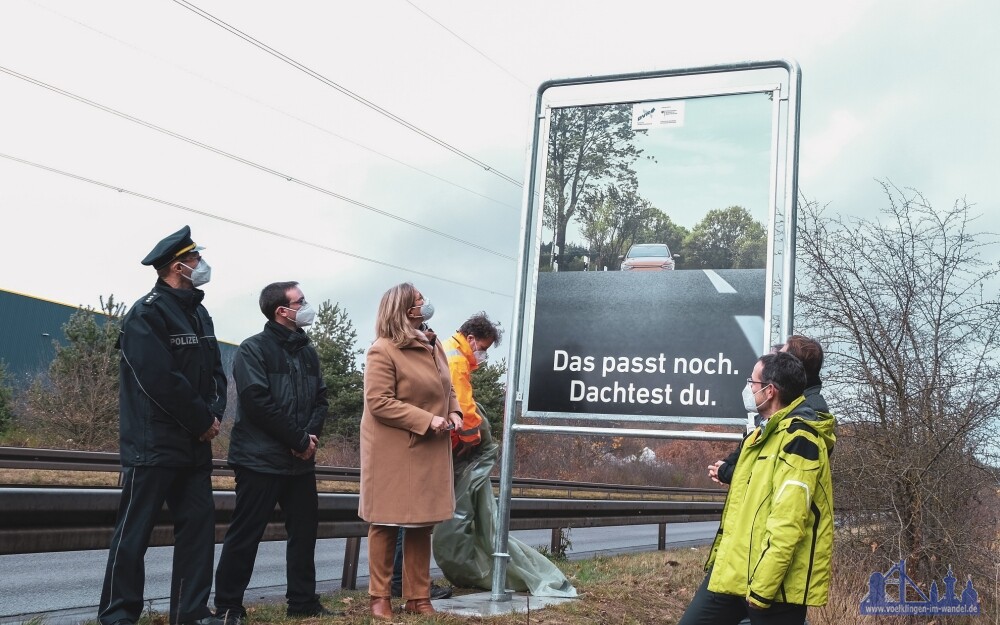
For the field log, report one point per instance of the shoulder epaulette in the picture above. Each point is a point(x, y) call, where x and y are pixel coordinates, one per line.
point(150, 298)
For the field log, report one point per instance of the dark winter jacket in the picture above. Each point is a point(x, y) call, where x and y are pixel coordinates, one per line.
point(814, 400)
point(172, 387)
point(281, 401)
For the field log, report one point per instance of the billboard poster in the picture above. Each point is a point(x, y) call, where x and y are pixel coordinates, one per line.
point(652, 255)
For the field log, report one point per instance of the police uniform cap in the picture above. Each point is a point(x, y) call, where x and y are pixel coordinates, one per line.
point(171, 247)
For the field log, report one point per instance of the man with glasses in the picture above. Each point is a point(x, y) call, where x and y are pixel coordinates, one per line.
point(772, 555)
point(281, 409)
point(172, 395)
point(810, 353)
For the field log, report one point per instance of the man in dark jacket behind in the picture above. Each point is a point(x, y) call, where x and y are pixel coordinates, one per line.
point(810, 353)
point(280, 415)
point(171, 398)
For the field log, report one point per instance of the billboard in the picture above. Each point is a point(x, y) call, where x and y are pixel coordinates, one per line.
point(654, 266)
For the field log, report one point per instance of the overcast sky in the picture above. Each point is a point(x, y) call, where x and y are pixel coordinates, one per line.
point(900, 90)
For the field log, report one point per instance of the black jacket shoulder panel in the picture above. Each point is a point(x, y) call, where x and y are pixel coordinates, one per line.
point(172, 386)
point(282, 400)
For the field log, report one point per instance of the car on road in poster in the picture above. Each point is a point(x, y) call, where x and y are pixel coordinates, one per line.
point(648, 257)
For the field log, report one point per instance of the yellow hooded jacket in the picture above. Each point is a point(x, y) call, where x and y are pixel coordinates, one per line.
point(775, 542)
point(461, 363)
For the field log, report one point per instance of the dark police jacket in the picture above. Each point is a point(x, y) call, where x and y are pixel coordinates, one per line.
point(281, 401)
point(172, 387)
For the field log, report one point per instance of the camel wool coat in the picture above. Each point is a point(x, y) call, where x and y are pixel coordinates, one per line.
point(406, 469)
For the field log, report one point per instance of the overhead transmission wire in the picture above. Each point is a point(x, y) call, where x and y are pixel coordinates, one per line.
point(274, 108)
point(344, 90)
point(537, 194)
point(243, 224)
point(248, 162)
point(474, 48)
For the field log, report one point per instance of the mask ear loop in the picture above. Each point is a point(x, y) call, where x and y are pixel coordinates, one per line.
point(773, 387)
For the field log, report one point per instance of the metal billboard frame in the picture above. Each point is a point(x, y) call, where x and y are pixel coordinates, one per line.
point(783, 192)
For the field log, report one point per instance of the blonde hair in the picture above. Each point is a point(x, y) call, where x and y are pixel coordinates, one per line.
point(391, 321)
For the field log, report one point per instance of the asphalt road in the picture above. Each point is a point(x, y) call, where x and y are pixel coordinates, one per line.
point(684, 341)
point(64, 588)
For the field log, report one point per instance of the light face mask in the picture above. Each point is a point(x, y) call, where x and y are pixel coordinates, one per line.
point(426, 310)
point(304, 316)
point(479, 354)
point(750, 398)
point(201, 274)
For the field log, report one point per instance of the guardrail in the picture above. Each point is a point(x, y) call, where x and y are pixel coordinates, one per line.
point(68, 460)
point(44, 519)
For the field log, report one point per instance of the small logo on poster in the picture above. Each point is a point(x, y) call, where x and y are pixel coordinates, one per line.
point(666, 114)
point(908, 598)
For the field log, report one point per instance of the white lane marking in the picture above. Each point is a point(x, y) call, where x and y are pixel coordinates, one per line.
point(753, 330)
point(720, 285)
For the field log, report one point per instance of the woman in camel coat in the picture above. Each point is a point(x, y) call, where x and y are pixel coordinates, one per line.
point(406, 466)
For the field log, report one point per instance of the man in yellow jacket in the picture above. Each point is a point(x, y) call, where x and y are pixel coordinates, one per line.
point(466, 350)
point(772, 556)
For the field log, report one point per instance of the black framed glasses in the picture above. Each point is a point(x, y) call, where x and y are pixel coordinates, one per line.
point(753, 381)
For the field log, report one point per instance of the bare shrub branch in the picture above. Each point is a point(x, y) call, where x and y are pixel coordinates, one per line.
point(913, 371)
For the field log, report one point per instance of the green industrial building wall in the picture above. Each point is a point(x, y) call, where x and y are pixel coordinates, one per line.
point(28, 327)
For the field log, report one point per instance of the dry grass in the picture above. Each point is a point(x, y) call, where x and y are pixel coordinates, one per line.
point(630, 590)
point(635, 589)
point(849, 585)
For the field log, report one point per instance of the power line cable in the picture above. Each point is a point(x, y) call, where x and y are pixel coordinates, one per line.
point(245, 161)
point(274, 108)
point(474, 48)
point(242, 224)
point(344, 90)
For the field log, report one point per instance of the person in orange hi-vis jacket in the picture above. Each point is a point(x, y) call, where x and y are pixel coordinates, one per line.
point(466, 351)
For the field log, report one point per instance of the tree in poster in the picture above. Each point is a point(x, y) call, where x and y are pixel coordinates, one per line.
point(727, 238)
point(614, 218)
point(661, 229)
point(586, 145)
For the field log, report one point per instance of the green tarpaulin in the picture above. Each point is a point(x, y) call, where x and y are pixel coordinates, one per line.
point(463, 546)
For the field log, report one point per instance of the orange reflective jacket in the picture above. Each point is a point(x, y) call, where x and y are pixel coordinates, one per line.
point(461, 363)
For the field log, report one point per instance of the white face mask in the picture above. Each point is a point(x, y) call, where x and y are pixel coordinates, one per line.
point(426, 310)
point(201, 273)
point(750, 398)
point(479, 354)
point(305, 316)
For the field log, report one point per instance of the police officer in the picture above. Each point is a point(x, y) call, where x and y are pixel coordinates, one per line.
point(172, 397)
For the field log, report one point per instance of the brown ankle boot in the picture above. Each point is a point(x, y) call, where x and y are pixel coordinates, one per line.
point(381, 608)
point(419, 606)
